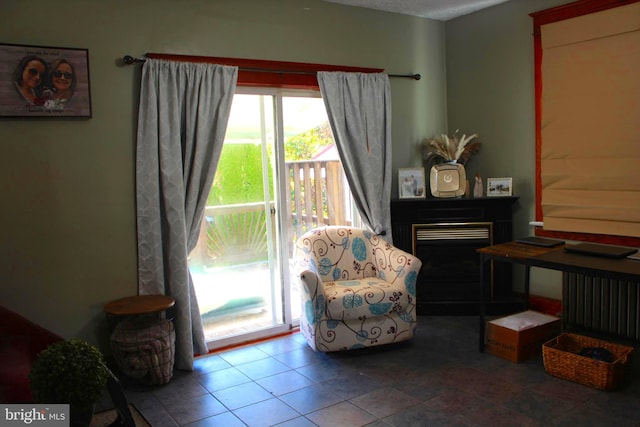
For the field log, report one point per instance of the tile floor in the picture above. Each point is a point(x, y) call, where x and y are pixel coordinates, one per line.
point(437, 379)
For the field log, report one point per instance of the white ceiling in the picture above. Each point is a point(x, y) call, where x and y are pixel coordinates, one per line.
point(441, 10)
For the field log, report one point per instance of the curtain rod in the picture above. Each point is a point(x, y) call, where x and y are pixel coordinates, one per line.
point(129, 60)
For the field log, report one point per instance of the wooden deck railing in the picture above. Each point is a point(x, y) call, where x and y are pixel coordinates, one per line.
point(318, 195)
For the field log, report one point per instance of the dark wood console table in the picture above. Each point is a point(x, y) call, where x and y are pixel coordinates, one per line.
point(554, 259)
point(449, 279)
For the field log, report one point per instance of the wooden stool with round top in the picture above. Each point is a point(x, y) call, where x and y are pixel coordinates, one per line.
point(140, 304)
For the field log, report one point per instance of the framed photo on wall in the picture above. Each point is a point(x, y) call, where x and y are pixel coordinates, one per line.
point(40, 81)
point(499, 187)
point(411, 183)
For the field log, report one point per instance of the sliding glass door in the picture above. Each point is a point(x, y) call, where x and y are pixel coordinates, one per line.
point(278, 176)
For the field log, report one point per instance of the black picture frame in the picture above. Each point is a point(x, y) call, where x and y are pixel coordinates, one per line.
point(42, 81)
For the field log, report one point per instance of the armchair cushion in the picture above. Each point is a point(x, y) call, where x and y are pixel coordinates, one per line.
point(352, 299)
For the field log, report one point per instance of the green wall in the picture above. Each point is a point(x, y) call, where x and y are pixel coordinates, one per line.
point(490, 91)
point(67, 223)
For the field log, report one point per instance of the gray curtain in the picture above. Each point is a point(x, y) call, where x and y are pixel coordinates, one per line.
point(359, 110)
point(182, 120)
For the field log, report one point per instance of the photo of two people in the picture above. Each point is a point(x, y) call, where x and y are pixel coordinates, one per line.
point(43, 81)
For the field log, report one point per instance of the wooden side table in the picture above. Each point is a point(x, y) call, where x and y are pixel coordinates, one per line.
point(140, 304)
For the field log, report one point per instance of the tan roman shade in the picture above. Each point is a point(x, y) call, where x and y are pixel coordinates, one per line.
point(590, 123)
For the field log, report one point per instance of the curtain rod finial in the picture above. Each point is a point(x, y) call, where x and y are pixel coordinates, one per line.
point(128, 60)
point(407, 76)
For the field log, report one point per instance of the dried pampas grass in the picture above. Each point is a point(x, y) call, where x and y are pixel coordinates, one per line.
point(450, 148)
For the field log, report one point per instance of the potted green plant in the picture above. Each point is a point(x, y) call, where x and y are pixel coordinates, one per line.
point(71, 371)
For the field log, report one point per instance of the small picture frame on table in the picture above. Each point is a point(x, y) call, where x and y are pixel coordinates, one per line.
point(499, 187)
point(43, 81)
point(411, 183)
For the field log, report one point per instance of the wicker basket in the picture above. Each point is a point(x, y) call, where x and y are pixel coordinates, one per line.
point(561, 360)
point(144, 349)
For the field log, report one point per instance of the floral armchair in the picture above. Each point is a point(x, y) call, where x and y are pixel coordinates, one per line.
point(357, 289)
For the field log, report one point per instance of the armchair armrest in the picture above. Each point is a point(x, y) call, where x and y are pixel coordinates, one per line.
point(395, 264)
point(312, 285)
point(306, 270)
point(312, 295)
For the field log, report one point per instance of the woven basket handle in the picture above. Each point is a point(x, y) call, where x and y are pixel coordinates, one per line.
point(553, 341)
point(622, 360)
